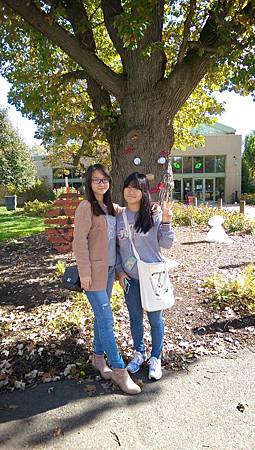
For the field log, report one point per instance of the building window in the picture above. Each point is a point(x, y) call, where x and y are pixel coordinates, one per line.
point(198, 164)
point(177, 164)
point(187, 188)
point(209, 164)
point(219, 188)
point(187, 164)
point(220, 163)
point(177, 190)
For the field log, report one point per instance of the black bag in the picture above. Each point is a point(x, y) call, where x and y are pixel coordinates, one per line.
point(71, 279)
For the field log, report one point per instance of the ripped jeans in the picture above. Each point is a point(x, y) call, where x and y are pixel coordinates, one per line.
point(104, 340)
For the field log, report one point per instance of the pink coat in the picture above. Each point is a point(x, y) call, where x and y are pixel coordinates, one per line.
point(90, 245)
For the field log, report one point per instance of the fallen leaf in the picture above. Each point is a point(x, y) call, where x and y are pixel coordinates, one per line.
point(58, 432)
point(90, 389)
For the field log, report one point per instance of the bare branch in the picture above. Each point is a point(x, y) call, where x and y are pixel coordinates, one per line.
point(95, 68)
point(186, 31)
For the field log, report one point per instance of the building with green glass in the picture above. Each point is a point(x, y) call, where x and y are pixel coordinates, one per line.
point(212, 171)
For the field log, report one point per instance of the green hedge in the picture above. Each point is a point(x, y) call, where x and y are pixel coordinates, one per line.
point(199, 216)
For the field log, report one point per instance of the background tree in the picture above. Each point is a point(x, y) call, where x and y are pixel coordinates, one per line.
point(129, 67)
point(248, 163)
point(17, 171)
point(38, 150)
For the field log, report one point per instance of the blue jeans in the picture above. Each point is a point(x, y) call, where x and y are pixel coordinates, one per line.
point(133, 300)
point(104, 340)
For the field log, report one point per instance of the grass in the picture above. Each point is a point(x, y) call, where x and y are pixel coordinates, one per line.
point(16, 224)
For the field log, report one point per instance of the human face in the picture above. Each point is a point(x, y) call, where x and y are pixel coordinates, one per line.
point(133, 196)
point(99, 183)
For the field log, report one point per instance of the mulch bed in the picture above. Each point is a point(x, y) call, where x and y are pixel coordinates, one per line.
point(31, 297)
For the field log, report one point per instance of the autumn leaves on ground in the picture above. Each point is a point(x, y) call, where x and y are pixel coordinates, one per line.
point(45, 331)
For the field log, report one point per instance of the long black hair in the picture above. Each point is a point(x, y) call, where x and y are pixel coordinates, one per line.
point(107, 199)
point(144, 221)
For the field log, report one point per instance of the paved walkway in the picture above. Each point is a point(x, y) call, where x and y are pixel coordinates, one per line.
point(210, 407)
point(249, 210)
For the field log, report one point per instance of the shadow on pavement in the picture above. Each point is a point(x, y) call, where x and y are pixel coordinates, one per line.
point(225, 325)
point(26, 405)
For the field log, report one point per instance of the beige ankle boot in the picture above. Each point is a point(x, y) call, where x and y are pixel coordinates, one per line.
point(125, 382)
point(98, 361)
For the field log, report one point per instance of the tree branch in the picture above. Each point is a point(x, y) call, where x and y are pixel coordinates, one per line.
point(186, 31)
point(74, 75)
point(186, 74)
point(154, 31)
point(112, 9)
point(77, 14)
point(95, 68)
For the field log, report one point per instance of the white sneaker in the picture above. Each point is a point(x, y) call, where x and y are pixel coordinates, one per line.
point(134, 365)
point(155, 371)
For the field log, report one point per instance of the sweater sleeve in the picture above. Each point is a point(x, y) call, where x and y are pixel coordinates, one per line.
point(118, 266)
point(165, 233)
point(82, 225)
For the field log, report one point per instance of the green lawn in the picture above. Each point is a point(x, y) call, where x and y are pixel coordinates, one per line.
point(15, 224)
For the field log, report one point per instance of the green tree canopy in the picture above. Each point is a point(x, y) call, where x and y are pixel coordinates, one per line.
point(131, 73)
point(248, 163)
point(17, 170)
point(249, 153)
point(38, 150)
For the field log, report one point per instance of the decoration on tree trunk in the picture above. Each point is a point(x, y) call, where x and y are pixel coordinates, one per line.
point(162, 160)
point(137, 161)
point(165, 153)
point(158, 188)
point(129, 150)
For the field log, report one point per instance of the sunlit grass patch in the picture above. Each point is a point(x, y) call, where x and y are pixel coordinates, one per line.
point(17, 224)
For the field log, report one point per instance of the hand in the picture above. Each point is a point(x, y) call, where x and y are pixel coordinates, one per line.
point(86, 283)
point(156, 209)
point(167, 213)
point(122, 276)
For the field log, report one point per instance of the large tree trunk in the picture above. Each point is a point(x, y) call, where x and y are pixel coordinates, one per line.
point(142, 132)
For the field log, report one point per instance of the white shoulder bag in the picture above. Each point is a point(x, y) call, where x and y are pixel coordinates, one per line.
point(155, 286)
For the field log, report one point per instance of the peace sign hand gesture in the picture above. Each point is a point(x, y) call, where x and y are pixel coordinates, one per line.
point(167, 212)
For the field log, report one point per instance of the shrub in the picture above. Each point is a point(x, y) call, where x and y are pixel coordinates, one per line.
point(192, 216)
point(79, 319)
point(62, 190)
point(59, 269)
point(235, 292)
point(4, 190)
point(36, 208)
point(249, 198)
point(40, 191)
point(73, 322)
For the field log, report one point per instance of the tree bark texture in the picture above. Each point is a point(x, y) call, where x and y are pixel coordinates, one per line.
point(140, 139)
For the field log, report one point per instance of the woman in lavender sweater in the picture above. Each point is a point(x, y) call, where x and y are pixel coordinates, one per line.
point(150, 231)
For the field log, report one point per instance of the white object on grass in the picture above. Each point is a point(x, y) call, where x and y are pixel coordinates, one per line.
point(217, 233)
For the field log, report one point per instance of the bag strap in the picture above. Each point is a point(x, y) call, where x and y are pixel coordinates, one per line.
point(124, 215)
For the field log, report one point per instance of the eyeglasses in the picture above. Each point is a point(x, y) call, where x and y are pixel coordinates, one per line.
point(101, 180)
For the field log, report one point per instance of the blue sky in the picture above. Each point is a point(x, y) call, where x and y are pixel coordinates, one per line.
point(239, 114)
